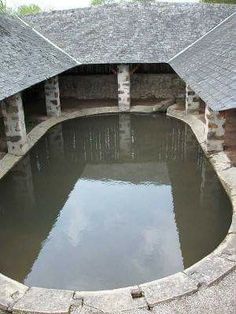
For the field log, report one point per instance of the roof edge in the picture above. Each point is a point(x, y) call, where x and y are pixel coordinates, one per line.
point(200, 38)
point(48, 40)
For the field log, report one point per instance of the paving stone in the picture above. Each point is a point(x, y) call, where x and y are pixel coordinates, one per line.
point(10, 292)
point(210, 269)
point(39, 300)
point(168, 288)
point(111, 301)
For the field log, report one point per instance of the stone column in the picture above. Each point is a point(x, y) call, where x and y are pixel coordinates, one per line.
point(52, 97)
point(192, 101)
point(14, 121)
point(214, 129)
point(123, 78)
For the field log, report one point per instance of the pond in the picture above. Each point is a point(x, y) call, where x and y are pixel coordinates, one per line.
point(109, 201)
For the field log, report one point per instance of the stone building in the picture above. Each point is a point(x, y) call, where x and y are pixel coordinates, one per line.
point(135, 57)
point(132, 55)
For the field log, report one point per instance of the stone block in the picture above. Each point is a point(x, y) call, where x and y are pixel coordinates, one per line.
point(168, 288)
point(10, 292)
point(39, 301)
point(210, 269)
point(111, 301)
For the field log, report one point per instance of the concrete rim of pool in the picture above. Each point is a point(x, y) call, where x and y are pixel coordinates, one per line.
point(18, 298)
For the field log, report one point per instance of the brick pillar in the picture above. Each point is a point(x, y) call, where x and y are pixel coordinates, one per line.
point(214, 129)
point(14, 121)
point(123, 78)
point(192, 101)
point(52, 97)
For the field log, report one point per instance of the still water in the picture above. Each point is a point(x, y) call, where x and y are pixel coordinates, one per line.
point(110, 201)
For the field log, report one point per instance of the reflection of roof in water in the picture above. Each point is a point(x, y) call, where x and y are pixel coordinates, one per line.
point(136, 173)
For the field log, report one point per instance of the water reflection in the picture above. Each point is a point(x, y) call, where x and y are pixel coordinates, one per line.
point(110, 201)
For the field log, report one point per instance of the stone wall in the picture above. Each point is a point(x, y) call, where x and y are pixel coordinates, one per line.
point(89, 86)
point(143, 86)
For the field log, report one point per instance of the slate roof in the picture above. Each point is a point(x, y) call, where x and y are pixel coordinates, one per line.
point(129, 33)
point(26, 58)
point(209, 66)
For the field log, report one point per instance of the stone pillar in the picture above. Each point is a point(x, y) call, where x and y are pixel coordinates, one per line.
point(192, 101)
point(214, 129)
point(14, 121)
point(52, 97)
point(123, 78)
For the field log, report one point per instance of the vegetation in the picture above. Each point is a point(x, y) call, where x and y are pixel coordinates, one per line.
point(22, 10)
point(101, 2)
point(3, 6)
point(28, 9)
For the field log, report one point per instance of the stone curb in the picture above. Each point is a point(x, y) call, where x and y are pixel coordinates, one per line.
point(41, 300)
point(10, 292)
point(17, 298)
point(223, 259)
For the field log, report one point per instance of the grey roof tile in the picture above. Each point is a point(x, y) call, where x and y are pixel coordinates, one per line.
point(209, 65)
point(131, 32)
point(26, 58)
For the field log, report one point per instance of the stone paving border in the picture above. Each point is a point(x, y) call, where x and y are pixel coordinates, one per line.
point(19, 299)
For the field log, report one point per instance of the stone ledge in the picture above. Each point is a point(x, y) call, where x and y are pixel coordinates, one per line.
point(111, 300)
point(228, 180)
point(10, 292)
point(168, 288)
point(220, 161)
point(210, 269)
point(41, 301)
point(227, 249)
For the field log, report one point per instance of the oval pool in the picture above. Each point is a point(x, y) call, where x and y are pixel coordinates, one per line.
point(110, 201)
